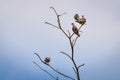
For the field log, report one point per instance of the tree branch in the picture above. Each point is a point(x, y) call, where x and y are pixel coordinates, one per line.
point(54, 68)
point(69, 33)
point(80, 65)
point(75, 40)
point(61, 73)
point(74, 70)
point(72, 42)
point(66, 54)
point(77, 36)
point(39, 57)
point(52, 25)
point(45, 71)
point(58, 21)
point(63, 14)
point(54, 10)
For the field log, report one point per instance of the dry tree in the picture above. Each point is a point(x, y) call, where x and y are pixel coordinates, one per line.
point(72, 41)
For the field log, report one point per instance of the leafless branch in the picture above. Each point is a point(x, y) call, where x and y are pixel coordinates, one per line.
point(80, 27)
point(63, 14)
point(54, 68)
point(45, 71)
point(80, 65)
point(58, 21)
point(72, 42)
point(52, 25)
point(66, 54)
point(74, 70)
point(54, 10)
point(61, 73)
point(69, 33)
point(75, 40)
point(39, 57)
point(77, 36)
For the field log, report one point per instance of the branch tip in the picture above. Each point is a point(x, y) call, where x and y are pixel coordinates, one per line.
point(80, 65)
point(54, 10)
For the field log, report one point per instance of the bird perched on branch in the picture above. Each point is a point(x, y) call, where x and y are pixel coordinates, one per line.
point(76, 17)
point(75, 29)
point(81, 21)
point(47, 60)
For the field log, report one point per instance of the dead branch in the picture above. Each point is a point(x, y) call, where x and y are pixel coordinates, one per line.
point(72, 42)
point(54, 68)
point(52, 25)
point(66, 54)
point(45, 71)
point(80, 65)
point(74, 70)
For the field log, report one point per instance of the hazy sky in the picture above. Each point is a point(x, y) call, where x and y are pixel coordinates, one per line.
point(23, 32)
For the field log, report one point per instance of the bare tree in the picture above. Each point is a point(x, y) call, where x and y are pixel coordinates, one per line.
point(72, 41)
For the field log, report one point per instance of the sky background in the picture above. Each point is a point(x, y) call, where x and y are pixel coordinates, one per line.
point(23, 32)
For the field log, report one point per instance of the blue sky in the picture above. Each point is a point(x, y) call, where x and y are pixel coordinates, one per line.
point(23, 32)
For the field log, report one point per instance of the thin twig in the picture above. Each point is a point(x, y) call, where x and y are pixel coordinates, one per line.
point(77, 36)
point(58, 21)
point(64, 33)
point(39, 57)
point(66, 54)
point(52, 25)
point(75, 40)
point(80, 27)
point(54, 10)
point(45, 71)
point(72, 47)
point(69, 33)
point(63, 14)
point(61, 73)
point(80, 65)
point(74, 70)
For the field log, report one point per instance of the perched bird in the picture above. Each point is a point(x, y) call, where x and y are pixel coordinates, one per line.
point(82, 20)
point(76, 17)
point(47, 59)
point(75, 29)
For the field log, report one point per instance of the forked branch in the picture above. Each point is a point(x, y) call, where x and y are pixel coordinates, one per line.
point(72, 42)
point(58, 21)
point(54, 68)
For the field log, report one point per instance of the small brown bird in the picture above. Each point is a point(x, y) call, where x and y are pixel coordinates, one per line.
point(76, 17)
point(75, 29)
point(47, 59)
point(82, 20)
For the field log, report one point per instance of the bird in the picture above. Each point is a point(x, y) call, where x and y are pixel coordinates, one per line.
point(47, 60)
point(82, 20)
point(76, 17)
point(75, 29)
